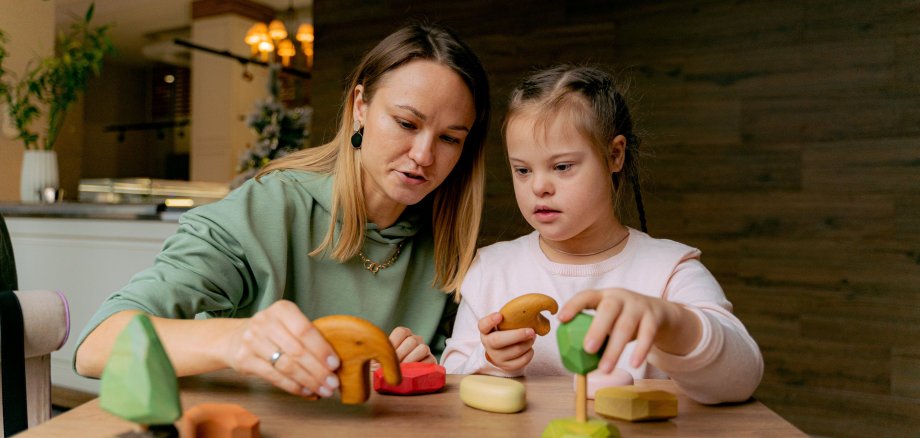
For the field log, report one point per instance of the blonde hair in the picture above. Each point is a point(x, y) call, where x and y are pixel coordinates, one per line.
point(456, 206)
point(589, 99)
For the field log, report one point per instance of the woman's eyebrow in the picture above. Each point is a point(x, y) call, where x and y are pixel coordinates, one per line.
point(422, 117)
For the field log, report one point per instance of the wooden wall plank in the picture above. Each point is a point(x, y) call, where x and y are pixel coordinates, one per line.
point(905, 372)
point(863, 166)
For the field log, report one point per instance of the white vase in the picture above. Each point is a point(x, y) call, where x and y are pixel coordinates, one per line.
point(39, 171)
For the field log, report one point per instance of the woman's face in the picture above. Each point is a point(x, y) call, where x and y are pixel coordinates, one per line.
point(414, 128)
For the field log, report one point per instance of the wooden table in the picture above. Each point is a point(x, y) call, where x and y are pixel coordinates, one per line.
point(442, 414)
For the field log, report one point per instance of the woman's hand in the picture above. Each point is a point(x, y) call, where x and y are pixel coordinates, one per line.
point(510, 350)
point(625, 316)
point(410, 347)
point(306, 363)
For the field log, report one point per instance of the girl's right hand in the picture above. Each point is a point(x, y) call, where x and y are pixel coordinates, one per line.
point(307, 362)
point(509, 350)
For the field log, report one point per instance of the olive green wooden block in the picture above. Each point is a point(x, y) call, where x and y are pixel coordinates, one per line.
point(571, 337)
point(139, 383)
point(570, 428)
point(635, 404)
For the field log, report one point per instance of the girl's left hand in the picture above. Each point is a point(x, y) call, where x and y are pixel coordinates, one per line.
point(625, 316)
point(410, 347)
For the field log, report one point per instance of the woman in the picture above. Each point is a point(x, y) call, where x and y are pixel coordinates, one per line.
point(403, 179)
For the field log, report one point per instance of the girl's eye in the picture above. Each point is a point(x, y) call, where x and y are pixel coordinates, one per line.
point(562, 167)
point(522, 171)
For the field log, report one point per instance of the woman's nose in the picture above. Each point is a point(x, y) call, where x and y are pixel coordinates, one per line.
point(422, 151)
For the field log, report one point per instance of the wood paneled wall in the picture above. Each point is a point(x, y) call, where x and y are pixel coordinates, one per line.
point(781, 138)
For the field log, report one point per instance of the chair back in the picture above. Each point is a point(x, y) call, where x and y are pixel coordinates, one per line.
point(32, 325)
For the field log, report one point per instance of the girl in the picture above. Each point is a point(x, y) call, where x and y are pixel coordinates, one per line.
point(573, 152)
point(378, 223)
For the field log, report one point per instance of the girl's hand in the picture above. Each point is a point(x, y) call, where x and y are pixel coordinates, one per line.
point(306, 364)
point(410, 347)
point(625, 316)
point(509, 350)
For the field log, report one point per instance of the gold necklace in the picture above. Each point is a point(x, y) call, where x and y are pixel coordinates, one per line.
point(588, 254)
point(373, 266)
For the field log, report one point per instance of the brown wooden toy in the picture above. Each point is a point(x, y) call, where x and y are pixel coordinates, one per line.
point(524, 311)
point(218, 420)
point(417, 378)
point(632, 403)
point(357, 341)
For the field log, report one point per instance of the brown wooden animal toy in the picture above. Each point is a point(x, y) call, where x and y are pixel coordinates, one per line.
point(357, 341)
point(524, 311)
point(218, 420)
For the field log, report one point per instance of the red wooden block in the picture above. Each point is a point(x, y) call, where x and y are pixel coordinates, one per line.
point(418, 378)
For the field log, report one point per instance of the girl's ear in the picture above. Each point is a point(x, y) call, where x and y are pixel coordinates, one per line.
point(359, 107)
point(617, 154)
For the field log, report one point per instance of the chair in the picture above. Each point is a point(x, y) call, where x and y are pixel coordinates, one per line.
point(32, 325)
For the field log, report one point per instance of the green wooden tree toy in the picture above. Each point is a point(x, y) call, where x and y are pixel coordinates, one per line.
point(571, 337)
point(139, 383)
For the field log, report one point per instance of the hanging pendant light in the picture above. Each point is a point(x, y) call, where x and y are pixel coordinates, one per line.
point(264, 39)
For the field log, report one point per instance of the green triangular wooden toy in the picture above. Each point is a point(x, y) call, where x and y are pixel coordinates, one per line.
point(571, 337)
point(139, 383)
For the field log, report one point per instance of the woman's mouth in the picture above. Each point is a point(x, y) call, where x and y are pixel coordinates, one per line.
point(412, 177)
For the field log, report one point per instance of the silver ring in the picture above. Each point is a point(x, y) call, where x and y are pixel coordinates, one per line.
point(275, 356)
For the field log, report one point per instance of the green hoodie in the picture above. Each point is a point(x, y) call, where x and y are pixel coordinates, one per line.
point(239, 255)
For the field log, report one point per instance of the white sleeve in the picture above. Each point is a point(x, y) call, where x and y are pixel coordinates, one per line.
point(464, 352)
point(726, 365)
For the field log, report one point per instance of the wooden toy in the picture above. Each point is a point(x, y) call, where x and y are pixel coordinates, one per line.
point(218, 420)
point(524, 311)
point(570, 428)
point(493, 394)
point(571, 337)
point(357, 341)
point(635, 404)
point(417, 378)
point(139, 383)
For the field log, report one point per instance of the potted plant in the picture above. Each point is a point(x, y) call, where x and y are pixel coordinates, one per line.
point(51, 85)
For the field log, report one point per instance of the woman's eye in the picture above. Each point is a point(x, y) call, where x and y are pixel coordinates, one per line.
point(522, 171)
point(450, 139)
point(562, 167)
point(405, 124)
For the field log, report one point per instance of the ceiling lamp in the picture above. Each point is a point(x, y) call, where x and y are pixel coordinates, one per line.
point(273, 38)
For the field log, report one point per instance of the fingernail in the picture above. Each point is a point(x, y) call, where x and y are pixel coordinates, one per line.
point(591, 346)
point(306, 392)
point(606, 367)
point(325, 392)
point(333, 362)
point(332, 382)
point(531, 333)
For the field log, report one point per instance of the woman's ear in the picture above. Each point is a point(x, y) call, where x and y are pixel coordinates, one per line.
point(617, 154)
point(359, 107)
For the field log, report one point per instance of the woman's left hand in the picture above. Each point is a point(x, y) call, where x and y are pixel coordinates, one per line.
point(625, 316)
point(410, 347)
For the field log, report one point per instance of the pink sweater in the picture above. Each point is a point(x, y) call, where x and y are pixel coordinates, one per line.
point(725, 366)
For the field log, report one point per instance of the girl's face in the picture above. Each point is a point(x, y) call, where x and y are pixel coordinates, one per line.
point(562, 186)
point(414, 129)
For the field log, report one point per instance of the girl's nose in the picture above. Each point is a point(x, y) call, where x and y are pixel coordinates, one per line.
point(542, 185)
point(422, 151)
